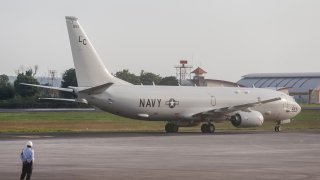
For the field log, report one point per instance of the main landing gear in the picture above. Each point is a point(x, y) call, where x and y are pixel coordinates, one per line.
point(171, 128)
point(207, 128)
point(277, 128)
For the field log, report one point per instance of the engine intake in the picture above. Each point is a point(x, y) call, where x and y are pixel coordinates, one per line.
point(247, 119)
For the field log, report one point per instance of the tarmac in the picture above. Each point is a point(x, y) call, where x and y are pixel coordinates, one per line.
point(136, 156)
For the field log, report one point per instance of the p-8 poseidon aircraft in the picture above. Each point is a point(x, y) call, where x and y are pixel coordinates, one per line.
point(180, 106)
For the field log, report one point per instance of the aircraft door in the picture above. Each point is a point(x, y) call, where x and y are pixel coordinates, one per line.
point(213, 101)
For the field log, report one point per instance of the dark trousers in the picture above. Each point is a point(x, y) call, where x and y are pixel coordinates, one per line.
point(26, 170)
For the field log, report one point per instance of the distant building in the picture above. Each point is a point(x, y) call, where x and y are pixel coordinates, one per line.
point(199, 80)
point(198, 77)
point(305, 87)
point(314, 96)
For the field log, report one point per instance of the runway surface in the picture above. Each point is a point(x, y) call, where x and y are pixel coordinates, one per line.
point(136, 156)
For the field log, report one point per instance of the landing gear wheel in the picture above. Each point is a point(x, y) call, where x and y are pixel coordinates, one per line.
point(175, 128)
point(277, 128)
point(211, 128)
point(207, 128)
point(171, 128)
point(204, 128)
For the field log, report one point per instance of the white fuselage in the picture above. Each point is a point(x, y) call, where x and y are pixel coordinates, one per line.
point(166, 103)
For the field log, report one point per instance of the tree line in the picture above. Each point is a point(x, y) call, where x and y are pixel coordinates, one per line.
point(20, 96)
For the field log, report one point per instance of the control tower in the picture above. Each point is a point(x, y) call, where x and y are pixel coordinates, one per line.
point(183, 70)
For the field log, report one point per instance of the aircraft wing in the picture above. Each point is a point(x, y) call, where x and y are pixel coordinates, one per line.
point(241, 107)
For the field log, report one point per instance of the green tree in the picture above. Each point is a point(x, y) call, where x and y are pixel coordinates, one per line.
point(68, 79)
point(27, 77)
point(6, 89)
point(127, 76)
point(148, 78)
point(169, 81)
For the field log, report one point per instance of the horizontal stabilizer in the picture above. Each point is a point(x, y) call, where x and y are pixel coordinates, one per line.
point(97, 89)
point(58, 99)
point(49, 87)
point(64, 99)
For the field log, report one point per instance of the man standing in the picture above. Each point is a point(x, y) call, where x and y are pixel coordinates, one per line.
point(27, 158)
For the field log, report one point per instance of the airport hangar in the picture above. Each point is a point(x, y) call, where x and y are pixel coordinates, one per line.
point(304, 87)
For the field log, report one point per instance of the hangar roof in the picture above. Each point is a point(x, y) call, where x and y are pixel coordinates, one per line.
point(281, 75)
point(296, 82)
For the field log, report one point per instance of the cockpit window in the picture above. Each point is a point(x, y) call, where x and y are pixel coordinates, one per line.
point(291, 98)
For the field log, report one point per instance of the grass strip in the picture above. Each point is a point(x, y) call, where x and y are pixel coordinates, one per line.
point(102, 121)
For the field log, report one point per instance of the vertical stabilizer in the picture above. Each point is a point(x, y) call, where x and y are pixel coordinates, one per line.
point(90, 70)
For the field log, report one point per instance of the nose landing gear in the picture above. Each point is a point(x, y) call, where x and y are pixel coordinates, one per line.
point(277, 128)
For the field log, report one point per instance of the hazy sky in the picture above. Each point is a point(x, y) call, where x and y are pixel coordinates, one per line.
point(228, 38)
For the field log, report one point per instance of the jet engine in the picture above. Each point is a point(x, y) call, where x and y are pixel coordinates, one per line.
point(247, 119)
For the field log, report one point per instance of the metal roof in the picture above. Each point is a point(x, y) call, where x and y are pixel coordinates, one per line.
point(298, 84)
point(295, 84)
point(282, 75)
point(199, 71)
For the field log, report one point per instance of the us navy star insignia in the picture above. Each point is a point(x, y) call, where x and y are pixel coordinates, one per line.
point(172, 103)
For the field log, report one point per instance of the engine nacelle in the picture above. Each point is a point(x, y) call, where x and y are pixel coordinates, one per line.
point(247, 119)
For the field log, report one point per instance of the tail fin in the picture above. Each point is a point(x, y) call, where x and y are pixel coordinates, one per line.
point(90, 70)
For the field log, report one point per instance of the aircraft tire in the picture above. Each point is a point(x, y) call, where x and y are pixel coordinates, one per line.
point(168, 127)
point(205, 128)
point(277, 128)
point(175, 128)
point(211, 128)
point(171, 128)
